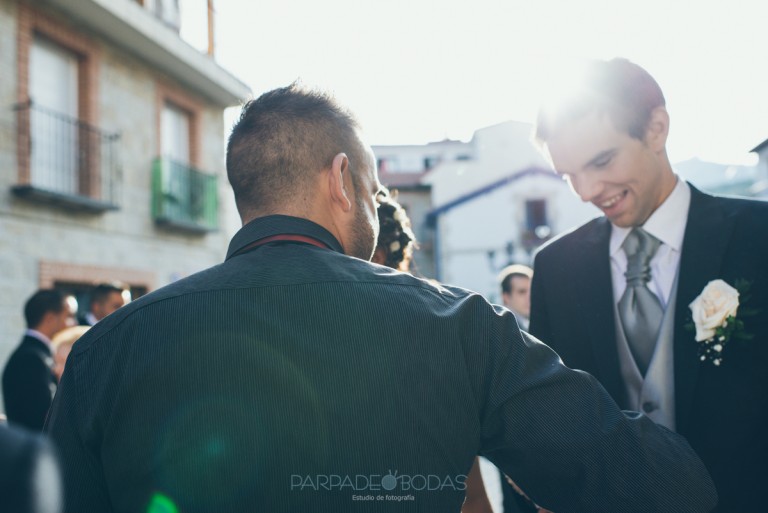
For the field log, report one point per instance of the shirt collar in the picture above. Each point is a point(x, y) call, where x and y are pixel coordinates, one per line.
point(268, 226)
point(665, 222)
point(39, 336)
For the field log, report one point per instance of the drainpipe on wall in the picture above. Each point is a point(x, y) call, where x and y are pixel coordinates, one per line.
point(210, 28)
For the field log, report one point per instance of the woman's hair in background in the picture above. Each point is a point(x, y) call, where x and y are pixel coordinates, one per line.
point(396, 242)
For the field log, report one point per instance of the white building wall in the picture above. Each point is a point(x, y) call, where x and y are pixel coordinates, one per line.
point(489, 222)
point(498, 151)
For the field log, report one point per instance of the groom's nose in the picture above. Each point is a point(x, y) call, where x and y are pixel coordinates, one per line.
point(587, 186)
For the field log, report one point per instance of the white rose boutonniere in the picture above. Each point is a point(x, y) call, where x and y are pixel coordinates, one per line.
point(711, 309)
point(714, 314)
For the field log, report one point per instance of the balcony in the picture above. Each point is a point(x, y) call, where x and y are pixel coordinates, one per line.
point(166, 11)
point(65, 162)
point(184, 198)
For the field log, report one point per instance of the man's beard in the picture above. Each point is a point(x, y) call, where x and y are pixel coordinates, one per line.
point(363, 234)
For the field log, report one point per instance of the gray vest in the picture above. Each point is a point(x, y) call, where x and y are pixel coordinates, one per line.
point(654, 395)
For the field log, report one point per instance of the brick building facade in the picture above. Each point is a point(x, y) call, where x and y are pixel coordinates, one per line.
point(111, 151)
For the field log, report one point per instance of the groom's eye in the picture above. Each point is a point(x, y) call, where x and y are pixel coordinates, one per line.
point(602, 162)
point(603, 159)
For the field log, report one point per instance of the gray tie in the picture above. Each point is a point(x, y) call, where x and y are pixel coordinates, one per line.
point(639, 308)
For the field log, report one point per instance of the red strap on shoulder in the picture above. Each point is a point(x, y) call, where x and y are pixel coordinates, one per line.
point(284, 237)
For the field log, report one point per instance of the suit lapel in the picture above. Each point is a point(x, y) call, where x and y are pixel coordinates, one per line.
point(704, 245)
point(595, 293)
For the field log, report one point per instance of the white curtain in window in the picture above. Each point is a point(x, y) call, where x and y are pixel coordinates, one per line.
point(175, 136)
point(175, 153)
point(53, 117)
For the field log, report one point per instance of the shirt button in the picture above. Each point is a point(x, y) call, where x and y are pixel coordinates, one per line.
point(649, 407)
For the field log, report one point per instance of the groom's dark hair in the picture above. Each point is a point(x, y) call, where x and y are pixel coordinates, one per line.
point(618, 88)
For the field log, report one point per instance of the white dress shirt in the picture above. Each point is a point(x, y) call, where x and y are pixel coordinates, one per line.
point(39, 336)
point(667, 223)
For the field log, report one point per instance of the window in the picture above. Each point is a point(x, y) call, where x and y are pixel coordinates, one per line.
point(175, 128)
point(430, 162)
point(535, 214)
point(184, 197)
point(166, 11)
point(537, 228)
point(78, 279)
point(177, 185)
point(53, 121)
point(64, 158)
point(81, 291)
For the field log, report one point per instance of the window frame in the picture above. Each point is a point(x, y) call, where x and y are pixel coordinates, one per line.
point(34, 23)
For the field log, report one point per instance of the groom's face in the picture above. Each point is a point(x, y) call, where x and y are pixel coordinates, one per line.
point(619, 174)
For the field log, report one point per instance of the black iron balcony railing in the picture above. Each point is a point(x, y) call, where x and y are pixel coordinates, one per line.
point(65, 160)
point(183, 197)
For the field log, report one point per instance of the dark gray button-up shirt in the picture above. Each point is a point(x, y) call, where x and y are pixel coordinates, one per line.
point(295, 378)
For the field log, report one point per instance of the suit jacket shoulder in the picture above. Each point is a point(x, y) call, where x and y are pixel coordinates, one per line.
point(589, 232)
point(29, 383)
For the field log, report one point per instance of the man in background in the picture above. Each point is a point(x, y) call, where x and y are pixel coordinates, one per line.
point(515, 281)
point(105, 299)
point(28, 380)
point(613, 296)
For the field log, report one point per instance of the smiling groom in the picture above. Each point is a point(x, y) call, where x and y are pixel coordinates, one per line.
point(612, 297)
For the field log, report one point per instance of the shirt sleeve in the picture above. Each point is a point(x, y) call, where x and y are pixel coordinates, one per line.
point(83, 477)
point(558, 434)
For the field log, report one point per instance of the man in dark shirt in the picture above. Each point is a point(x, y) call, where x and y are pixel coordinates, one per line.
point(297, 376)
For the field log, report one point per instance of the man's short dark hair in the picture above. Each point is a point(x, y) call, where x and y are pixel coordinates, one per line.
point(102, 291)
point(511, 272)
point(280, 138)
point(42, 302)
point(618, 88)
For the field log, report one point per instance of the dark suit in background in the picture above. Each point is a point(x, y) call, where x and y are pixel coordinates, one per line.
point(29, 475)
point(721, 410)
point(29, 383)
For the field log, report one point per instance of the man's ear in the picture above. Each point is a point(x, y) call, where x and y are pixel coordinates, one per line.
point(336, 178)
point(658, 129)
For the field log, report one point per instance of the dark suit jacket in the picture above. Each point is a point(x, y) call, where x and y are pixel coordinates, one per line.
point(29, 384)
point(82, 320)
point(294, 378)
point(29, 475)
point(722, 411)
